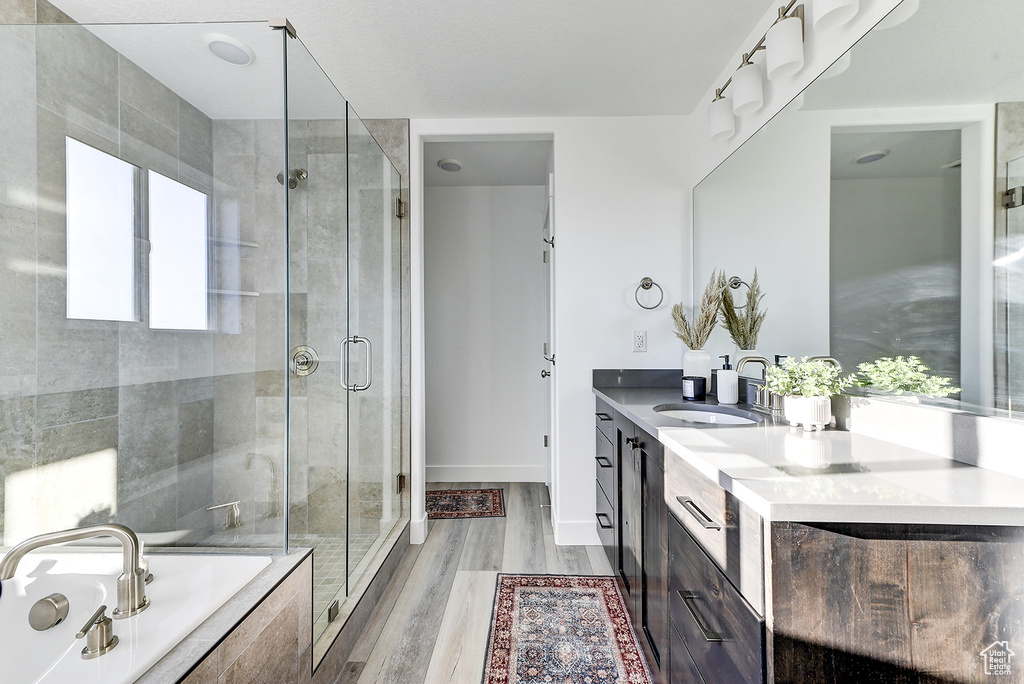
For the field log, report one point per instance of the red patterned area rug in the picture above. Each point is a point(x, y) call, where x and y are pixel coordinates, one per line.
point(562, 629)
point(465, 503)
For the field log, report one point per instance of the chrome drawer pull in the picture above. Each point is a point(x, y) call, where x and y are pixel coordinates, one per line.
point(603, 461)
point(703, 518)
point(601, 523)
point(603, 417)
point(709, 635)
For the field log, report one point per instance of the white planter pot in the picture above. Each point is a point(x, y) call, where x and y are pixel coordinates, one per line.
point(814, 413)
point(697, 362)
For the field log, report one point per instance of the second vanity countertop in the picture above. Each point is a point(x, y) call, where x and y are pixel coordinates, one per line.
point(786, 474)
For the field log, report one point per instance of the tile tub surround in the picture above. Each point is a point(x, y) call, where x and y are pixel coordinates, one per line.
point(831, 477)
point(233, 642)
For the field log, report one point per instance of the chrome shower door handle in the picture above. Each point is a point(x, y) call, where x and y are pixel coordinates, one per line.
point(344, 363)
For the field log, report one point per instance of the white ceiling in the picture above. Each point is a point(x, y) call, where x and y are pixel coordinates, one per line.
point(487, 163)
point(510, 58)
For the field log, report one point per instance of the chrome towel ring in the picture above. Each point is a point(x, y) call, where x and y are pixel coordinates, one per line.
point(647, 284)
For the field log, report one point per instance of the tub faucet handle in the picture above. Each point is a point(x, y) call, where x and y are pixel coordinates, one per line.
point(98, 634)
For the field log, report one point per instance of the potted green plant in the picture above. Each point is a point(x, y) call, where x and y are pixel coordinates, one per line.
point(743, 324)
point(697, 362)
point(806, 388)
point(902, 375)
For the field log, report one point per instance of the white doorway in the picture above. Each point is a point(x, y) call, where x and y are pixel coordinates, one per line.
point(487, 313)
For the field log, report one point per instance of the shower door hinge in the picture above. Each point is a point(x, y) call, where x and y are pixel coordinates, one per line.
point(401, 482)
point(545, 256)
point(1013, 198)
point(279, 23)
point(545, 440)
point(399, 208)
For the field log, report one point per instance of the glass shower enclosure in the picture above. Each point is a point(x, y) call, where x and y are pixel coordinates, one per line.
point(200, 304)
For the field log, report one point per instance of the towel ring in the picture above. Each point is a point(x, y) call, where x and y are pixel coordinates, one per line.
point(647, 284)
point(735, 283)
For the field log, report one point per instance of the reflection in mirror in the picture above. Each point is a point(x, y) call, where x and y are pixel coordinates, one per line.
point(913, 252)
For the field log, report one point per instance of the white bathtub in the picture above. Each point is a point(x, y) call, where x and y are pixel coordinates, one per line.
point(186, 590)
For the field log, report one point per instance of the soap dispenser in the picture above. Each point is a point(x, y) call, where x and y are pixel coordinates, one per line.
point(728, 383)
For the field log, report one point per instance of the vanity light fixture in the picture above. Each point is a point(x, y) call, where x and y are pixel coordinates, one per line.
point(900, 14)
point(231, 50)
point(451, 165)
point(747, 88)
point(873, 156)
point(784, 44)
point(721, 122)
point(784, 56)
point(830, 14)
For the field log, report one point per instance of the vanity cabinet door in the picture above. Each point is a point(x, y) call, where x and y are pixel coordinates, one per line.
point(654, 621)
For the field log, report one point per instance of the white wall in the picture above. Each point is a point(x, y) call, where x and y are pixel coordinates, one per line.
point(621, 212)
point(484, 297)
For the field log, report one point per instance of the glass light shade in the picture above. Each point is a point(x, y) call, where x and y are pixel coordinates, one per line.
point(784, 49)
point(721, 123)
point(747, 90)
point(830, 14)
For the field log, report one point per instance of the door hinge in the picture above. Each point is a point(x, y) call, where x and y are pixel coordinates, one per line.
point(1013, 198)
point(399, 208)
point(545, 440)
point(545, 256)
point(401, 482)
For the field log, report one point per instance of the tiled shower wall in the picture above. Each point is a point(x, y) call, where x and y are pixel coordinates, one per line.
point(181, 410)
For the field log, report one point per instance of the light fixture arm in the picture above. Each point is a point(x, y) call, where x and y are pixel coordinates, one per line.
point(784, 13)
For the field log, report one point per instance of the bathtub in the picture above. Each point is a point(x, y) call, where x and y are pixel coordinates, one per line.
point(186, 590)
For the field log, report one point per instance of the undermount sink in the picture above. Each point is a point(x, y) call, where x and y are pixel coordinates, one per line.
point(707, 414)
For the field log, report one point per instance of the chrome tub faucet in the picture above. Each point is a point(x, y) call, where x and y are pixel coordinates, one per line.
point(131, 584)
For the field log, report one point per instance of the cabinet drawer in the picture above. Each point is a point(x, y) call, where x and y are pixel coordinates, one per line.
point(684, 671)
point(728, 531)
point(604, 416)
point(605, 519)
point(723, 635)
point(605, 465)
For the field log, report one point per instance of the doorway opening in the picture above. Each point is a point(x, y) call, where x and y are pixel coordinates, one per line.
point(488, 253)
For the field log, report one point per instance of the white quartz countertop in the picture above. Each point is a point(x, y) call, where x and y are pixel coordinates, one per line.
point(786, 474)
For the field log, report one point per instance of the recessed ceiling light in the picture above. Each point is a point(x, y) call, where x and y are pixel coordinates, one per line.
point(452, 165)
point(874, 156)
point(231, 50)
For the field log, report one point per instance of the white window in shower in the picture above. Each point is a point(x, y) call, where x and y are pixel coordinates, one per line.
point(101, 235)
point(178, 257)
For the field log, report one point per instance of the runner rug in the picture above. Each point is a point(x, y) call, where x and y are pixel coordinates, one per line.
point(561, 628)
point(465, 503)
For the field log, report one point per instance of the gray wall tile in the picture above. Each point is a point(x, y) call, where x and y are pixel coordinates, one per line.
point(18, 12)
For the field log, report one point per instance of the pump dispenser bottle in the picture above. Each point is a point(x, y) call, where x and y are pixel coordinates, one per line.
point(728, 383)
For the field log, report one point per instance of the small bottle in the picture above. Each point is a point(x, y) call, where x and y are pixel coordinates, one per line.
point(728, 383)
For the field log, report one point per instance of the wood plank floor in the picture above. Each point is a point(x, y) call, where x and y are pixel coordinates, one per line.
point(432, 623)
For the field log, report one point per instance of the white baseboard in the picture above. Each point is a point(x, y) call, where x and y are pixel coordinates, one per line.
point(576, 533)
point(474, 473)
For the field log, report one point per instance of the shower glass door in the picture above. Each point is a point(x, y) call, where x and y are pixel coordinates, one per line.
point(344, 332)
point(374, 346)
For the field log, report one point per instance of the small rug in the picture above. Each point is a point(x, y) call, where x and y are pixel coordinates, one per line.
point(465, 503)
point(563, 629)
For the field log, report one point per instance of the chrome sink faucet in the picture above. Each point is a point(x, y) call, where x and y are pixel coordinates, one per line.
point(828, 359)
point(131, 584)
point(764, 400)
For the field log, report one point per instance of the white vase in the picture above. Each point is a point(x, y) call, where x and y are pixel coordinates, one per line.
point(814, 413)
point(697, 363)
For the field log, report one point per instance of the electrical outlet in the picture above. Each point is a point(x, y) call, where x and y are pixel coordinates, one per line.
point(639, 340)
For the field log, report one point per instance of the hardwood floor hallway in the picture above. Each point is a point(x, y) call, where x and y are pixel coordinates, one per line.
point(432, 623)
